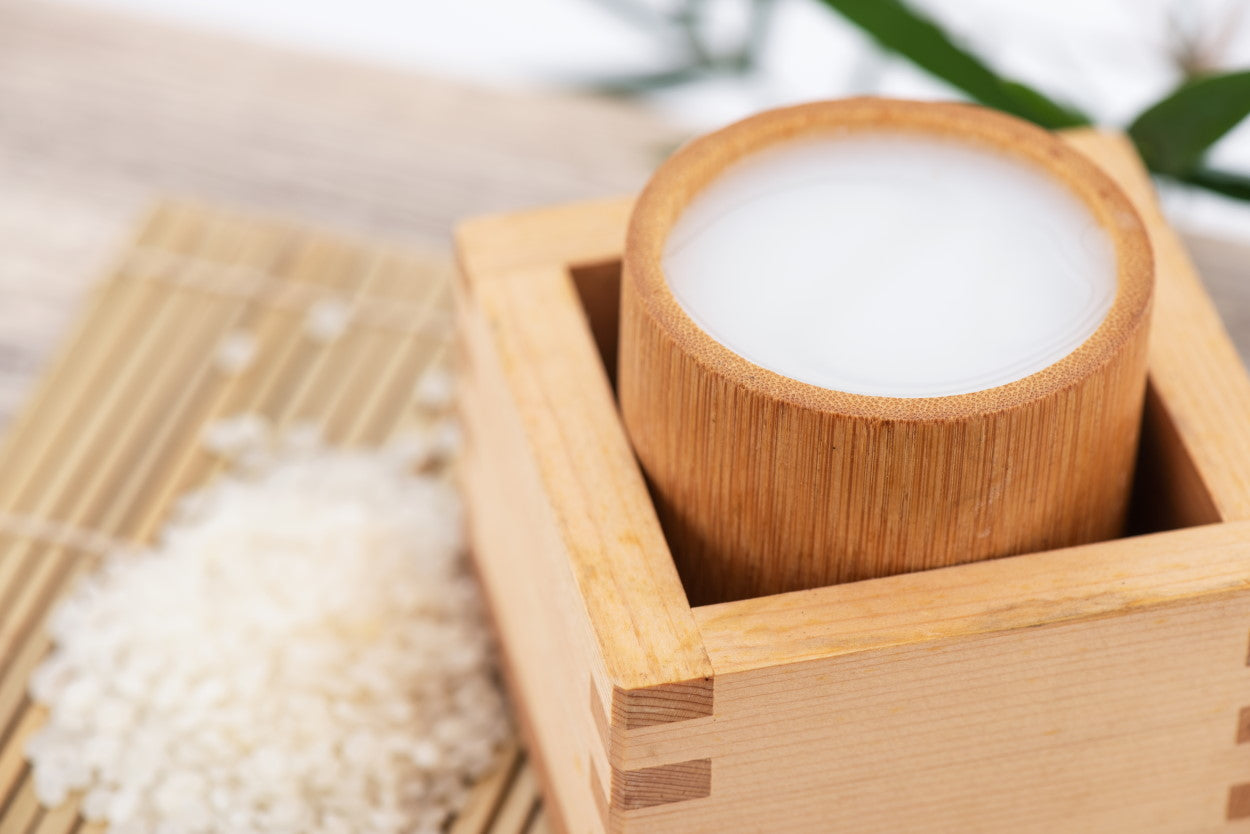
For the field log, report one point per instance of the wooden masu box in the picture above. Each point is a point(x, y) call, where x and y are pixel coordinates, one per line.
point(1102, 688)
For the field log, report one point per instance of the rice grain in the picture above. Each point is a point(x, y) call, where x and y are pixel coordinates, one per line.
point(303, 651)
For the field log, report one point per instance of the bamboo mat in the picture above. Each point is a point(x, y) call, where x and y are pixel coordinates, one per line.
point(112, 436)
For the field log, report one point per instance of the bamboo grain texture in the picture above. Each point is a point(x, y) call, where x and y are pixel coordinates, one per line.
point(112, 436)
point(767, 484)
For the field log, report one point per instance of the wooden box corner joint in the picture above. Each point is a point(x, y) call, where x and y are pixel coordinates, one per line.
point(635, 709)
point(1104, 687)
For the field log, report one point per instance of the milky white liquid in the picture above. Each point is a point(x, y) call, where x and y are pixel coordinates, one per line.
point(891, 264)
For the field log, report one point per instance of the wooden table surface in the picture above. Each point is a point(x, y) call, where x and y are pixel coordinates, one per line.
point(102, 114)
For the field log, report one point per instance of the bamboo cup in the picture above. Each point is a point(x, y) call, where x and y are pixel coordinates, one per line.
point(766, 484)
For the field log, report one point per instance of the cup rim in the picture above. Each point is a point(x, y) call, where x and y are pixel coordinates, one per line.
point(698, 162)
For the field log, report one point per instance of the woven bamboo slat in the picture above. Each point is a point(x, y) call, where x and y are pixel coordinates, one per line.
point(112, 437)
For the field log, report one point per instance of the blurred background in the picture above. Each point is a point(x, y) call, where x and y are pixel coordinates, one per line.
point(394, 118)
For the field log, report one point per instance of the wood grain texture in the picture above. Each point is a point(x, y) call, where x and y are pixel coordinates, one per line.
point(525, 335)
point(1019, 592)
point(553, 579)
point(662, 704)
point(503, 244)
point(1224, 264)
point(648, 787)
point(1194, 366)
point(1169, 492)
point(554, 642)
point(1105, 722)
point(1095, 689)
point(767, 484)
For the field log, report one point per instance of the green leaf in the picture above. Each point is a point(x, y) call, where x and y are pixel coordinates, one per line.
point(1173, 135)
point(899, 29)
point(1223, 182)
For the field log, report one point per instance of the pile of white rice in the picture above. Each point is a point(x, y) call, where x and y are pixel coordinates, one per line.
point(302, 652)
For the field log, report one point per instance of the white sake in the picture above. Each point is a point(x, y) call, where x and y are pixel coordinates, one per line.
point(892, 264)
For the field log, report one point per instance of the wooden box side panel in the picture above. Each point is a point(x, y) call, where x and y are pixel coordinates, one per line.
point(561, 236)
point(965, 602)
point(585, 596)
point(1098, 688)
point(1123, 723)
point(1194, 367)
point(536, 331)
point(548, 652)
point(1168, 490)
